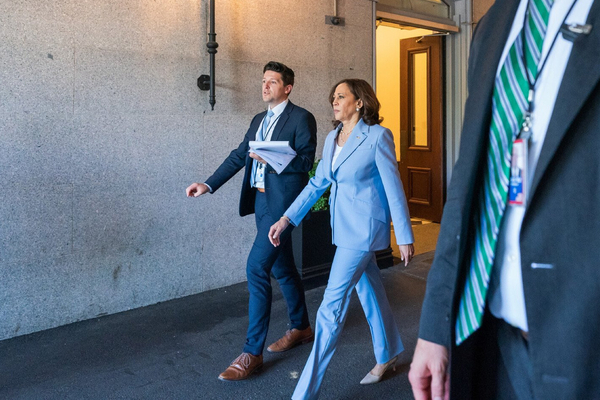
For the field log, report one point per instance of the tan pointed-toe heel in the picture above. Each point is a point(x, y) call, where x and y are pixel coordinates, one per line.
point(372, 377)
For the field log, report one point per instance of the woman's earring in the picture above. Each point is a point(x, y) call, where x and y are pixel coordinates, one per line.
point(357, 109)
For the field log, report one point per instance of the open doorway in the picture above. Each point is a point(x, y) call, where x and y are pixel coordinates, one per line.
point(409, 84)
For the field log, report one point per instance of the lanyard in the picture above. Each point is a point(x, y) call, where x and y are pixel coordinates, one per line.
point(270, 127)
point(526, 125)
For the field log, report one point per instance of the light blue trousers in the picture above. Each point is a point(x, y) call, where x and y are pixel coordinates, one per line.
point(350, 269)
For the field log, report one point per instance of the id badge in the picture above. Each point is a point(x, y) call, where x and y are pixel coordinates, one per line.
point(518, 173)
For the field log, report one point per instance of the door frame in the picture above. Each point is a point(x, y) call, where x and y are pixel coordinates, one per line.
point(456, 52)
point(424, 161)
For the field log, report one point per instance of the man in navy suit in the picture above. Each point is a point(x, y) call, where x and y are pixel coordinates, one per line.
point(268, 194)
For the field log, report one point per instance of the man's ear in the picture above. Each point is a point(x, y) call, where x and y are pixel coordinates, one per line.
point(288, 89)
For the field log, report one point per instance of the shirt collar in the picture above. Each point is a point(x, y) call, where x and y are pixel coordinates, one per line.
point(278, 109)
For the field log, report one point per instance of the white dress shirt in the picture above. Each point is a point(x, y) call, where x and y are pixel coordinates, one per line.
point(336, 153)
point(506, 295)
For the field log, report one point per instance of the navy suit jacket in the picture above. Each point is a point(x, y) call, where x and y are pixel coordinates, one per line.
point(561, 227)
point(297, 126)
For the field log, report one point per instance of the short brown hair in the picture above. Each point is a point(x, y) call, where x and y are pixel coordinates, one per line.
point(361, 89)
point(287, 74)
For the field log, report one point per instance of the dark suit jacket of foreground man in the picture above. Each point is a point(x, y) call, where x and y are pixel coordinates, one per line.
point(295, 125)
point(561, 226)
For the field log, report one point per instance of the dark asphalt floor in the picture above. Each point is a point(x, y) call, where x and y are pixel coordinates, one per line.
point(176, 350)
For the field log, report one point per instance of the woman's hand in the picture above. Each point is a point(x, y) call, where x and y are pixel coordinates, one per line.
point(406, 250)
point(277, 229)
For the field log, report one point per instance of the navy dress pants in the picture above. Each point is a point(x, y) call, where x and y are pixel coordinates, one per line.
point(263, 260)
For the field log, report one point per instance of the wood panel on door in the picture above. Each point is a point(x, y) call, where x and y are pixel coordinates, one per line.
point(421, 126)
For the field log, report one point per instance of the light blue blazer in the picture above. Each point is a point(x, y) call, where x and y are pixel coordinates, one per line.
point(366, 191)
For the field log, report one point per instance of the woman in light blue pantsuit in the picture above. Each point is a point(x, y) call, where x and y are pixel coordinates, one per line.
point(360, 165)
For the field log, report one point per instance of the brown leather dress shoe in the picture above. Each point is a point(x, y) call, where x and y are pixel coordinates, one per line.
point(242, 367)
point(291, 339)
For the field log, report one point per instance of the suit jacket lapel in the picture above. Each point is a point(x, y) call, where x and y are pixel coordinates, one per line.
point(492, 34)
point(282, 120)
point(254, 127)
point(490, 37)
point(581, 77)
point(251, 134)
point(354, 140)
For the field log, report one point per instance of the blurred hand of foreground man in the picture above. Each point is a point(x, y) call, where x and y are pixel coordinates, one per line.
point(428, 372)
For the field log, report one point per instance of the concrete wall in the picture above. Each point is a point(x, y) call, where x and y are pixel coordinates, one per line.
point(102, 128)
point(480, 7)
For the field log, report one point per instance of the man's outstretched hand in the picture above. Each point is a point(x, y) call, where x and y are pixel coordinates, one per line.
point(196, 189)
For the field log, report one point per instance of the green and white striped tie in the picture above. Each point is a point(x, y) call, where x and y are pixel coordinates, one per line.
point(509, 103)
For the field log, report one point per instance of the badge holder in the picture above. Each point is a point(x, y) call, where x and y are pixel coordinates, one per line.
point(518, 184)
point(517, 191)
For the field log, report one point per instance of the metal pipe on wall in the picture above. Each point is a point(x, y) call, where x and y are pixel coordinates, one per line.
point(334, 19)
point(207, 82)
point(212, 50)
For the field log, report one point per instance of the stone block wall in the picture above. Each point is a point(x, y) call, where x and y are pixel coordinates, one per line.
point(102, 127)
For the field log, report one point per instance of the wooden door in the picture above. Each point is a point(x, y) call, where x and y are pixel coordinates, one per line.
point(421, 126)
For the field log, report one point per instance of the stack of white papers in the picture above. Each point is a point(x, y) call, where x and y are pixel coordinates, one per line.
point(277, 154)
